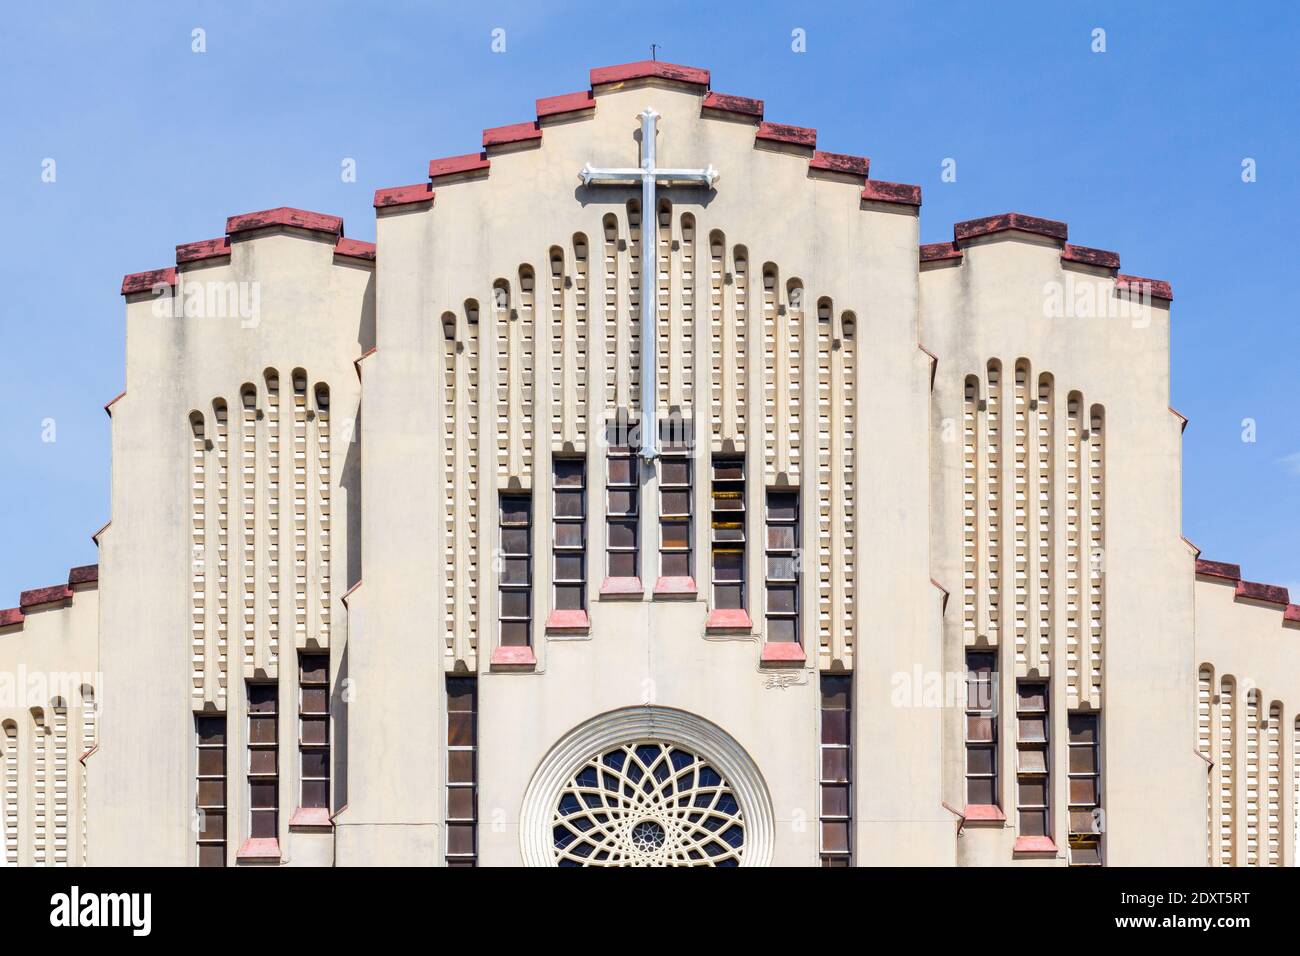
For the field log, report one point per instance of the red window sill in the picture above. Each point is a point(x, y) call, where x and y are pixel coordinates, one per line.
point(260, 848)
point(621, 588)
point(1034, 844)
point(729, 619)
point(311, 818)
point(783, 652)
point(568, 622)
point(513, 657)
point(675, 588)
point(983, 813)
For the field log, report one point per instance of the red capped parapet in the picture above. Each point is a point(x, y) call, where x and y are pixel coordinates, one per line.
point(963, 232)
point(649, 69)
point(1274, 594)
point(83, 576)
point(281, 217)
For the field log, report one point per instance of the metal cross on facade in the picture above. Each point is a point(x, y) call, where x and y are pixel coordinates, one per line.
point(649, 176)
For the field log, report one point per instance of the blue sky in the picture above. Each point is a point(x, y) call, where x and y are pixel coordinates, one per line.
point(1139, 149)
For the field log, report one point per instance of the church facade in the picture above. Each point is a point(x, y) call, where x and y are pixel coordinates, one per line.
point(647, 495)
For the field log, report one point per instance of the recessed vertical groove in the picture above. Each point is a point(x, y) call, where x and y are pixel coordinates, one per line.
point(300, 531)
point(89, 740)
point(773, 374)
point(198, 556)
point(40, 796)
point(1020, 514)
point(970, 510)
point(324, 532)
point(273, 526)
point(1273, 787)
point(615, 334)
point(248, 521)
point(1073, 548)
point(453, 424)
point(561, 347)
point(1097, 554)
point(1227, 782)
point(993, 502)
point(60, 816)
point(1205, 747)
point(737, 362)
point(581, 336)
point(687, 296)
point(668, 382)
point(218, 655)
point(1252, 742)
point(827, 428)
point(523, 371)
point(1045, 523)
point(11, 790)
point(718, 336)
point(635, 251)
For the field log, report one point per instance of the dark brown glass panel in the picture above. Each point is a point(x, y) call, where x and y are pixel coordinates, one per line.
point(1083, 760)
point(261, 730)
point(460, 729)
point(979, 729)
point(262, 761)
point(514, 633)
point(1083, 728)
point(514, 604)
point(261, 698)
point(1032, 791)
point(835, 727)
point(569, 504)
point(460, 766)
point(315, 793)
point(212, 826)
point(835, 691)
point(316, 763)
point(461, 693)
point(835, 766)
point(213, 855)
point(835, 836)
point(622, 471)
point(676, 565)
point(1032, 729)
point(516, 571)
point(622, 502)
point(514, 540)
point(211, 730)
point(460, 839)
point(782, 538)
point(212, 762)
point(622, 564)
point(622, 534)
point(676, 534)
point(835, 800)
point(262, 794)
point(315, 730)
point(782, 630)
point(313, 668)
point(516, 509)
point(1083, 790)
point(728, 469)
point(211, 793)
point(675, 503)
point(570, 567)
point(782, 506)
point(569, 472)
point(979, 760)
point(1033, 823)
point(569, 535)
point(264, 823)
point(781, 567)
point(728, 596)
point(314, 700)
point(569, 597)
point(979, 790)
point(460, 803)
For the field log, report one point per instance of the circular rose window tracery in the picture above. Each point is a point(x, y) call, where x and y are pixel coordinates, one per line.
point(646, 786)
point(647, 803)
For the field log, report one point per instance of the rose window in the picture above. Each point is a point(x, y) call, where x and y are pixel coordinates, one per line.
point(647, 803)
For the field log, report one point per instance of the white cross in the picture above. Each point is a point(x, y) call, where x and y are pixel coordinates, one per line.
point(648, 176)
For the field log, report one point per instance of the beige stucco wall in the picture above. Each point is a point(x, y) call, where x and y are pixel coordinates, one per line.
point(52, 655)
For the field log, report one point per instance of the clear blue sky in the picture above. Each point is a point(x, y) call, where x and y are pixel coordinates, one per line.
point(1139, 149)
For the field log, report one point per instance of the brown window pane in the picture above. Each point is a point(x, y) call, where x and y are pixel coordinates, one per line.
point(622, 471)
point(263, 824)
point(569, 504)
point(835, 727)
point(261, 730)
point(211, 730)
point(314, 700)
point(835, 800)
point(835, 691)
point(979, 790)
point(211, 793)
point(313, 668)
point(782, 538)
point(782, 629)
point(569, 597)
point(1032, 729)
point(675, 503)
point(569, 535)
point(212, 825)
point(460, 838)
point(676, 565)
point(514, 604)
point(622, 534)
point(460, 766)
point(781, 567)
point(212, 762)
point(1083, 821)
point(515, 571)
point(514, 633)
point(1083, 790)
point(979, 729)
point(315, 730)
point(622, 564)
point(1032, 791)
point(1083, 728)
point(782, 506)
point(835, 836)
point(727, 596)
point(622, 502)
point(262, 761)
point(1083, 760)
point(315, 793)
point(316, 763)
point(262, 794)
point(212, 855)
point(460, 803)
point(1033, 823)
point(261, 698)
point(835, 765)
point(1031, 697)
point(728, 566)
point(1033, 760)
point(728, 469)
point(515, 541)
point(781, 598)
point(569, 472)
point(570, 567)
point(676, 534)
point(461, 693)
point(1088, 855)
point(516, 509)
point(979, 760)
point(460, 729)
